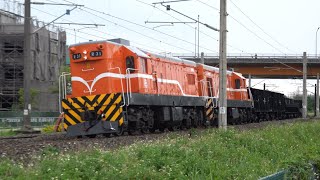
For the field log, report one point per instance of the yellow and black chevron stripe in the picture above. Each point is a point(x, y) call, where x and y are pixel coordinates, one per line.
point(209, 109)
point(110, 105)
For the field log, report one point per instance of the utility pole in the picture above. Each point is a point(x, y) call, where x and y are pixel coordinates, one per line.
point(249, 80)
point(198, 36)
point(304, 97)
point(317, 97)
point(202, 58)
point(223, 66)
point(26, 64)
point(27, 128)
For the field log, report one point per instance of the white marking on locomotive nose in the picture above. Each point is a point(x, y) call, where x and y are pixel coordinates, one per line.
point(85, 52)
point(85, 57)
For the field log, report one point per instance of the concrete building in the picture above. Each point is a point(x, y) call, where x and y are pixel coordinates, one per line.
point(48, 54)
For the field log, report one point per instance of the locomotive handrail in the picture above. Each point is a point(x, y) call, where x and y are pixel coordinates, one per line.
point(202, 87)
point(251, 97)
point(128, 80)
point(156, 79)
point(124, 99)
point(215, 105)
point(84, 70)
point(62, 89)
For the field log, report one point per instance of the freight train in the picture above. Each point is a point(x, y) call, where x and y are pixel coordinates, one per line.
point(117, 88)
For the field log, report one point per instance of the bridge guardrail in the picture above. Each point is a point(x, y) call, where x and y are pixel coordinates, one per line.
point(247, 55)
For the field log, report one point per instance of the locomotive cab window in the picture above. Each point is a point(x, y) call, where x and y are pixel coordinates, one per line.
point(130, 63)
point(237, 82)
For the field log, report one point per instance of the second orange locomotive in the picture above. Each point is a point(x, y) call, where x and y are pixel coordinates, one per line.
point(117, 88)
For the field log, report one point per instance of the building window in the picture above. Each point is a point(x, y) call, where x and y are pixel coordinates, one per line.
point(191, 79)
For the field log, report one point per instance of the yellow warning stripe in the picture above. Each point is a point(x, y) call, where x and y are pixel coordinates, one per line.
point(69, 119)
point(74, 106)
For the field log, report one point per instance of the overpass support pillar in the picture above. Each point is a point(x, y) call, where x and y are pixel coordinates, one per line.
point(304, 96)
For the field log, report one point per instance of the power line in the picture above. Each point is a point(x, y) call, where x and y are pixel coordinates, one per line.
point(183, 40)
point(154, 6)
point(256, 35)
point(209, 5)
point(200, 31)
point(260, 27)
point(136, 31)
point(101, 32)
point(243, 26)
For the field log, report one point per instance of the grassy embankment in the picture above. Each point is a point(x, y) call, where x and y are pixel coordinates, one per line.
point(7, 132)
point(210, 154)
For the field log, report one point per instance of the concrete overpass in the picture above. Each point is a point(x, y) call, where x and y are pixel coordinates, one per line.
point(264, 66)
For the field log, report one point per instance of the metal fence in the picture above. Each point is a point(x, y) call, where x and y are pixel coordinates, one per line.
point(13, 120)
point(16, 122)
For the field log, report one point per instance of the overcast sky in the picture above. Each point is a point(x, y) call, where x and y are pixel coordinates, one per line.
point(261, 26)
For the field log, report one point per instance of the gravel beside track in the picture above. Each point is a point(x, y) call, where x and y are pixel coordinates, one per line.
point(24, 147)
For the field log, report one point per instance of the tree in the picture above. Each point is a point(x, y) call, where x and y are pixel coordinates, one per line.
point(33, 94)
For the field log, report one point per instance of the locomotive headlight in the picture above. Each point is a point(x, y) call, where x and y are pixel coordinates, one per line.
point(103, 116)
point(72, 50)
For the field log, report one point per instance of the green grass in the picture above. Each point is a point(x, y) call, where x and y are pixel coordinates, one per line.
point(7, 132)
point(210, 154)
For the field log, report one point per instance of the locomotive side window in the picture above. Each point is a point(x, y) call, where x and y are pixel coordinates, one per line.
point(130, 63)
point(143, 65)
point(191, 79)
point(237, 82)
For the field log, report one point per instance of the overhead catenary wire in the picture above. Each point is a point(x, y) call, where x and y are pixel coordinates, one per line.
point(245, 27)
point(144, 35)
point(257, 37)
point(113, 35)
point(261, 28)
point(143, 26)
point(154, 6)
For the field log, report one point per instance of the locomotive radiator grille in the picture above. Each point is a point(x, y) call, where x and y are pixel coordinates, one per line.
point(107, 104)
point(209, 109)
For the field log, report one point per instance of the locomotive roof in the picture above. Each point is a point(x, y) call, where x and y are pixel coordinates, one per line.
point(211, 68)
point(175, 59)
point(141, 53)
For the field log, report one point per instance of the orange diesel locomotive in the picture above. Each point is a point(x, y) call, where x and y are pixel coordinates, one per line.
point(117, 88)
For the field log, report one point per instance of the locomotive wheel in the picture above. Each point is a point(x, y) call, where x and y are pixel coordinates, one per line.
point(107, 135)
point(170, 128)
point(91, 136)
point(131, 131)
point(120, 131)
point(152, 130)
point(161, 129)
point(144, 130)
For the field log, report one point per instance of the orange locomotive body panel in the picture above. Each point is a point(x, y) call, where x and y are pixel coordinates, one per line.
point(118, 88)
point(122, 68)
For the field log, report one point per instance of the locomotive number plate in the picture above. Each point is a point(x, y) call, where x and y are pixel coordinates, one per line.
point(96, 53)
point(76, 56)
